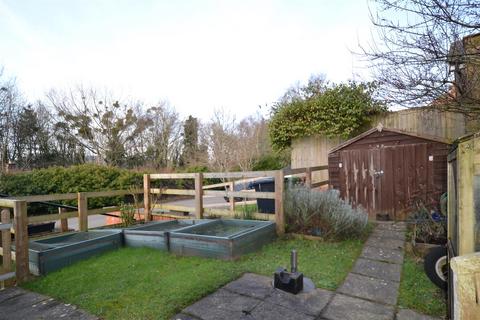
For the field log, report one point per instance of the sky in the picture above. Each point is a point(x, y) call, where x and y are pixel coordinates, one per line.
point(199, 55)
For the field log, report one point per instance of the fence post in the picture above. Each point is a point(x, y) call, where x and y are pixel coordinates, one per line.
point(63, 221)
point(82, 211)
point(232, 198)
point(6, 246)
point(147, 210)
point(199, 195)
point(21, 240)
point(279, 214)
point(308, 178)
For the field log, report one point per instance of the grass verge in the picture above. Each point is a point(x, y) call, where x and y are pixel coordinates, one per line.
point(149, 284)
point(417, 292)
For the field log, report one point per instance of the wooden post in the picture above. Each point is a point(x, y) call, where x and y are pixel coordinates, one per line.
point(6, 246)
point(232, 198)
point(64, 221)
point(21, 241)
point(147, 210)
point(279, 214)
point(82, 204)
point(199, 195)
point(308, 178)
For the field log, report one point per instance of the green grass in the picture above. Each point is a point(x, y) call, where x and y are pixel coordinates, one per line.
point(149, 284)
point(418, 292)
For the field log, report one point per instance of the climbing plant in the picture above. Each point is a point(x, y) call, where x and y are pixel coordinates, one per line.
point(331, 110)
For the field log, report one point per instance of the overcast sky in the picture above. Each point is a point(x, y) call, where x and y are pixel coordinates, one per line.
point(199, 55)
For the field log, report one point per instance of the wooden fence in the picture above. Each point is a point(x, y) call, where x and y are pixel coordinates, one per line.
point(19, 227)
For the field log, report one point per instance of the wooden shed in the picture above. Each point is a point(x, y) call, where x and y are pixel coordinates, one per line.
point(382, 169)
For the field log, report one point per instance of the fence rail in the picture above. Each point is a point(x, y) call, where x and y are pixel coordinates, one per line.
point(19, 225)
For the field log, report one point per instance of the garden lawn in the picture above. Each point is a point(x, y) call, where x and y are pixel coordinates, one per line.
point(418, 292)
point(149, 284)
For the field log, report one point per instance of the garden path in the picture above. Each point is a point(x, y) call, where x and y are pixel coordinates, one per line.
point(370, 290)
point(17, 303)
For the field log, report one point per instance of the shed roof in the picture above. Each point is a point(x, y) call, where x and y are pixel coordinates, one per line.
point(380, 128)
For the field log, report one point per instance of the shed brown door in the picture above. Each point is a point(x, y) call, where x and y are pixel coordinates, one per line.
point(384, 180)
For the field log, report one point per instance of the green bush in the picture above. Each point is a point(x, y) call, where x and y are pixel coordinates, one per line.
point(81, 178)
point(323, 214)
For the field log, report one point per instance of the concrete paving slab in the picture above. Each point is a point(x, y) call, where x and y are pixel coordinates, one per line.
point(398, 226)
point(369, 288)
point(269, 311)
point(348, 308)
point(252, 285)
point(387, 243)
point(17, 303)
point(378, 269)
point(407, 314)
point(221, 303)
point(311, 303)
point(391, 234)
point(382, 254)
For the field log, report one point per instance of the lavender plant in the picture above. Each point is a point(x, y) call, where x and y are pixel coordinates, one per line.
point(323, 214)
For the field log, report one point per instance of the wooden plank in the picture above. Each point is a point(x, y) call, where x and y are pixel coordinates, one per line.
point(246, 174)
point(241, 194)
point(82, 204)
point(21, 241)
point(6, 245)
point(48, 197)
point(232, 198)
point(7, 203)
point(227, 213)
point(216, 185)
point(182, 192)
point(466, 210)
point(63, 221)
point(165, 215)
point(52, 217)
point(147, 198)
point(158, 176)
point(199, 195)
point(92, 212)
point(279, 193)
point(171, 207)
point(111, 193)
point(308, 177)
point(319, 184)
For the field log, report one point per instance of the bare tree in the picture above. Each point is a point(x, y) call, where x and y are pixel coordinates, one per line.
point(164, 133)
point(425, 52)
point(101, 124)
point(222, 140)
point(11, 104)
point(252, 141)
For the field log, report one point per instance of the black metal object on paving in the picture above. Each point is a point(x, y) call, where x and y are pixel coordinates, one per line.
point(292, 281)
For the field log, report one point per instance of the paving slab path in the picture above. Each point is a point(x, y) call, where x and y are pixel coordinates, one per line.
point(17, 303)
point(369, 292)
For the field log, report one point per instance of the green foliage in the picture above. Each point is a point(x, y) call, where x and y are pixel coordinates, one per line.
point(417, 292)
point(336, 110)
point(323, 214)
point(127, 214)
point(270, 162)
point(79, 178)
point(161, 292)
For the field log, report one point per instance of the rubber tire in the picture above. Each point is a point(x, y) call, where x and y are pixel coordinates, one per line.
point(429, 264)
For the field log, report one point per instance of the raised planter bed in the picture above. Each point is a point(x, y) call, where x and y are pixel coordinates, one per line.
point(223, 239)
point(50, 254)
point(155, 234)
